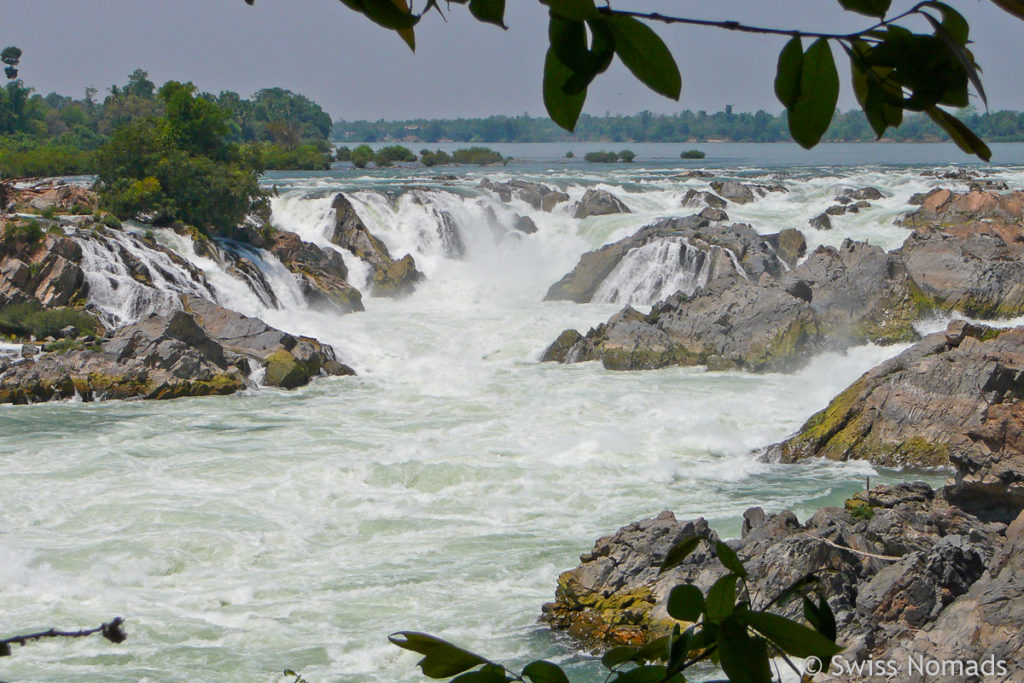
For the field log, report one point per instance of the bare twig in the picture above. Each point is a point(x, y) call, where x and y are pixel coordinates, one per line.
point(111, 630)
point(886, 558)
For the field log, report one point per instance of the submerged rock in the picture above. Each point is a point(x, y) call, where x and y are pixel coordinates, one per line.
point(390, 277)
point(743, 193)
point(698, 198)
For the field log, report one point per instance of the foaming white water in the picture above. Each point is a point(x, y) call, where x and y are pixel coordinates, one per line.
point(651, 272)
point(443, 489)
point(125, 292)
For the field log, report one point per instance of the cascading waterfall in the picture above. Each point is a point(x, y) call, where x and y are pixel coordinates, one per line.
point(662, 267)
point(129, 281)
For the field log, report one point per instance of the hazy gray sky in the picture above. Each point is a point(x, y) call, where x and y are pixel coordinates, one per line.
point(355, 69)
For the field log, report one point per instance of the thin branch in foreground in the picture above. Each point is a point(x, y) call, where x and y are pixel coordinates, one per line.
point(111, 630)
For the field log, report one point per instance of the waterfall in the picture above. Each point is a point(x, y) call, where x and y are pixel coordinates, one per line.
point(662, 267)
point(129, 280)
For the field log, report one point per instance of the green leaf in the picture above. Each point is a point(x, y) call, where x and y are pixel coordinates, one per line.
point(680, 649)
point(643, 674)
point(960, 55)
point(812, 112)
point(820, 616)
point(563, 108)
point(792, 638)
point(729, 559)
point(5, 650)
point(679, 552)
point(489, 11)
point(442, 659)
point(787, 75)
point(577, 10)
point(393, 14)
point(952, 21)
point(545, 672)
point(492, 673)
point(721, 597)
point(964, 138)
point(617, 656)
point(1014, 7)
point(655, 650)
point(646, 55)
point(685, 603)
point(744, 659)
point(871, 8)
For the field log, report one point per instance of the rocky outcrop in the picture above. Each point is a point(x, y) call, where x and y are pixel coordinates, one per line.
point(598, 203)
point(967, 252)
point(743, 193)
point(821, 222)
point(719, 244)
point(894, 566)
point(158, 358)
point(57, 195)
point(701, 198)
point(950, 400)
point(290, 361)
point(790, 245)
point(945, 209)
point(321, 272)
point(537, 195)
point(835, 299)
point(46, 270)
point(390, 277)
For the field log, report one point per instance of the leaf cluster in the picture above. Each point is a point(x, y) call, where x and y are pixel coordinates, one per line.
point(720, 626)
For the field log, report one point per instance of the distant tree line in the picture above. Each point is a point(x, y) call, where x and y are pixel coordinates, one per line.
point(686, 126)
point(58, 134)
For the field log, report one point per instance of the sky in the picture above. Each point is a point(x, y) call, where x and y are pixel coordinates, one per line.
point(461, 68)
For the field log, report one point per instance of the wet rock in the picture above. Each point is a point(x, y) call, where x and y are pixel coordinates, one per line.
point(944, 209)
point(733, 190)
point(322, 273)
point(525, 224)
point(696, 198)
point(821, 222)
point(47, 272)
point(529, 192)
point(390, 277)
point(861, 194)
point(598, 203)
point(161, 357)
point(751, 251)
point(241, 335)
point(835, 299)
point(714, 215)
point(550, 200)
point(617, 596)
point(790, 244)
point(950, 400)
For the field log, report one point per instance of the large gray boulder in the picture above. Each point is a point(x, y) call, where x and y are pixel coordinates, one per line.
point(599, 203)
point(717, 243)
point(390, 277)
point(950, 400)
point(161, 357)
point(835, 299)
point(322, 273)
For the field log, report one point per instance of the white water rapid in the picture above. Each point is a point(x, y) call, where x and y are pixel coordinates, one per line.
point(445, 487)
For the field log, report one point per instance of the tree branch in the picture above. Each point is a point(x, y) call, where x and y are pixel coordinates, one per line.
point(111, 630)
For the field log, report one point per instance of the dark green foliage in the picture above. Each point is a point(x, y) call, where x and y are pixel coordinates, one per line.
point(386, 156)
point(436, 158)
point(725, 629)
point(361, 156)
point(304, 157)
point(31, 319)
point(692, 154)
point(343, 154)
point(179, 168)
point(601, 157)
point(480, 156)
point(626, 156)
point(17, 237)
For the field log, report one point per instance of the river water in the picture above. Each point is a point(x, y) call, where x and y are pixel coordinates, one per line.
point(445, 487)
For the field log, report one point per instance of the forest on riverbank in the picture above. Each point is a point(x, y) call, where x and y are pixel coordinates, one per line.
point(685, 126)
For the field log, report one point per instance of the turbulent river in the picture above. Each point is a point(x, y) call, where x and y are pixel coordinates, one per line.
point(442, 489)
